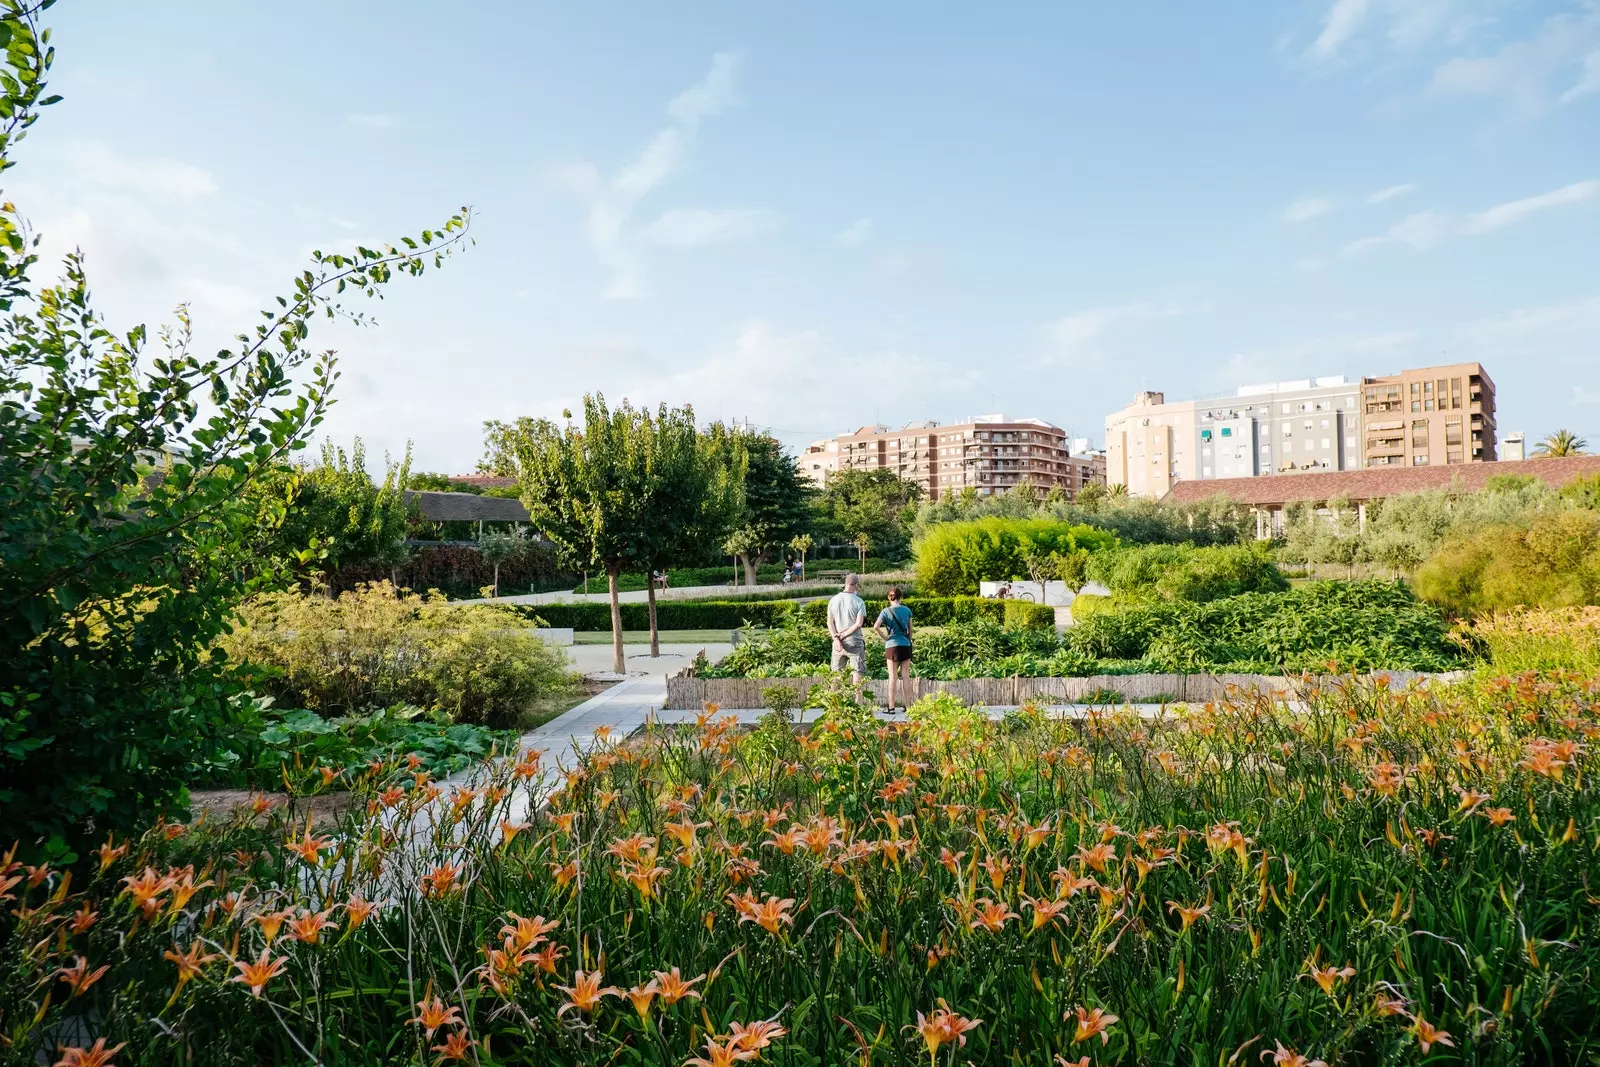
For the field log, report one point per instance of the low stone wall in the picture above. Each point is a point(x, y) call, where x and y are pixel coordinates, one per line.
point(686, 693)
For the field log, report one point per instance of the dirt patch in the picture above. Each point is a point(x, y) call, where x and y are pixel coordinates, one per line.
point(220, 805)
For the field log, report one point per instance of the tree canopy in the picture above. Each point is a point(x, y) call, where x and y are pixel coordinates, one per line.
point(776, 503)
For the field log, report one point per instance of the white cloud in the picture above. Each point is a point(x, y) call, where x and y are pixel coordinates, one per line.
point(613, 200)
point(1307, 208)
point(1527, 72)
point(1588, 82)
point(1341, 23)
point(1391, 193)
point(372, 121)
point(98, 164)
point(854, 234)
point(1502, 215)
point(1425, 229)
point(1080, 338)
point(692, 227)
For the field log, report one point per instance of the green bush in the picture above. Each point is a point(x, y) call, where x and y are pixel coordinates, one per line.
point(1087, 605)
point(1368, 625)
point(1552, 563)
point(953, 557)
point(670, 614)
point(939, 611)
point(371, 648)
point(1184, 572)
point(684, 577)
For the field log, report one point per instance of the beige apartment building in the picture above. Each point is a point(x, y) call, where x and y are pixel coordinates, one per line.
point(987, 454)
point(1431, 417)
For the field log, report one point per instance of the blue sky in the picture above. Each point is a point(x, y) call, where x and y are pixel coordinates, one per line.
point(822, 215)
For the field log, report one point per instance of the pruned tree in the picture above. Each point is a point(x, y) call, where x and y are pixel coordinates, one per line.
point(802, 543)
point(776, 504)
point(498, 546)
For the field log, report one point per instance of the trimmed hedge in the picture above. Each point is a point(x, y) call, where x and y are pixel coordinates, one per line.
point(670, 614)
point(942, 610)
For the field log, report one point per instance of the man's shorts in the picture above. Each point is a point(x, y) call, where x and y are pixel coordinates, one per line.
point(854, 656)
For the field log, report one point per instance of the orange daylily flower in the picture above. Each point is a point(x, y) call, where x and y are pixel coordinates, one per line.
point(1044, 910)
point(640, 997)
point(1189, 915)
point(455, 1047)
point(190, 963)
point(78, 977)
point(564, 873)
point(272, 921)
point(684, 832)
point(309, 926)
point(1068, 884)
point(1429, 1035)
point(523, 933)
point(757, 1035)
point(720, 1054)
point(585, 993)
point(785, 842)
point(1091, 1022)
point(358, 909)
point(432, 1014)
point(83, 918)
point(308, 847)
point(548, 956)
point(109, 854)
point(1288, 1057)
point(943, 1027)
point(442, 880)
point(257, 974)
point(96, 1055)
point(1098, 856)
point(1499, 816)
point(1328, 977)
point(990, 916)
point(769, 915)
point(673, 987)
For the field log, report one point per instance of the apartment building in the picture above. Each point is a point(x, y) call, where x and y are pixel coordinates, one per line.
point(1430, 417)
point(1434, 415)
point(987, 454)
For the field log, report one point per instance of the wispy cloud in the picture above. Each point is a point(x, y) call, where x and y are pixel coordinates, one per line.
point(1563, 53)
point(1424, 229)
point(692, 227)
point(1393, 192)
point(613, 200)
point(170, 179)
point(371, 120)
point(1307, 208)
point(1339, 25)
point(1080, 337)
point(854, 234)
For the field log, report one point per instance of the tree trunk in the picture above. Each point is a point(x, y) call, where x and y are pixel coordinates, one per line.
point(618, 664)
point(655, 635)
point(497, 581)
point(750, 563)
point(802, 564)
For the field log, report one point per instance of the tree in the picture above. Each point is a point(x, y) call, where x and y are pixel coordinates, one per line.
point(776, 503)
point(1073, 568)
point(127, 513)
point(1561, 443)
point(698, 483)
point(498, 546)
point(617, 492)
point(802, 543)
point(876, 504)
point(338, 516)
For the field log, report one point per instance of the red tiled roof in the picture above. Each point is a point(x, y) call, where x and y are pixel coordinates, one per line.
point(483, 481)
point(1378, 482)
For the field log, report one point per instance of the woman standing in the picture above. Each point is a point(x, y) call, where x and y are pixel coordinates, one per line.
point(894, 626)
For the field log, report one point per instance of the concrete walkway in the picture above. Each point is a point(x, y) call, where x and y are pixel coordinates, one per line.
point(640, 596)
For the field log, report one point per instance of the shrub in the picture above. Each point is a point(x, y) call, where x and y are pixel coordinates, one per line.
point(670, 614)
point(940, 611)
point(1184, 572)
point(1087, 605)
point(944, 713)
point(371, 648)
point(1553, 562)
point(1559, 639)
point(953, 557)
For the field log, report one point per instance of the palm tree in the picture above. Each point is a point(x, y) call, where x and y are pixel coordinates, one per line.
point(1561, 443)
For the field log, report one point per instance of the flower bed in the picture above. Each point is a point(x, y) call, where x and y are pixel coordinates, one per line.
point(1381, 876)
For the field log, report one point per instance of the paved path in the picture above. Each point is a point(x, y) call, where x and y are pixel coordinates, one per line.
point(640, 596)
point(593, 659)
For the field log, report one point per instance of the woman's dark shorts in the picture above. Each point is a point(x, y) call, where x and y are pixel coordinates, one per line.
point(897, 653)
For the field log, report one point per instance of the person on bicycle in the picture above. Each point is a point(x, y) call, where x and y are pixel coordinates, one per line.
point(894, 626)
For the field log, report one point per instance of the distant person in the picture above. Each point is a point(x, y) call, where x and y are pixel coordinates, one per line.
point(894, 626)
point(847, 615)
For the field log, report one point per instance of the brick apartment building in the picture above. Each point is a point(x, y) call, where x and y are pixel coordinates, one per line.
point(988, 454)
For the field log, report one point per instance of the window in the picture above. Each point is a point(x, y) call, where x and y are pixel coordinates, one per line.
point(1326, 443)
point(1452, 455)
point(1227, 431)
point(1350, 441)
point(1286, 409)
point(1416, 405)
point(1324, 424)
point(1419, 460)
point(1427, 405)
point(1310, 444)
point(1308, 424)
point(1416, 390)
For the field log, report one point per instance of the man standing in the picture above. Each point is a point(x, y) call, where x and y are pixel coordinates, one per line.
point(847, 614)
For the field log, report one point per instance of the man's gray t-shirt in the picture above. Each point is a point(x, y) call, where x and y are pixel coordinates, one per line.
point(844, 610)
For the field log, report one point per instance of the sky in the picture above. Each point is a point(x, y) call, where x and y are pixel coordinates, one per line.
point(819, 216)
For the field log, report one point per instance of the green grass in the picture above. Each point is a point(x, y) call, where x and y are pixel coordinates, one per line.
point(642, 637)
